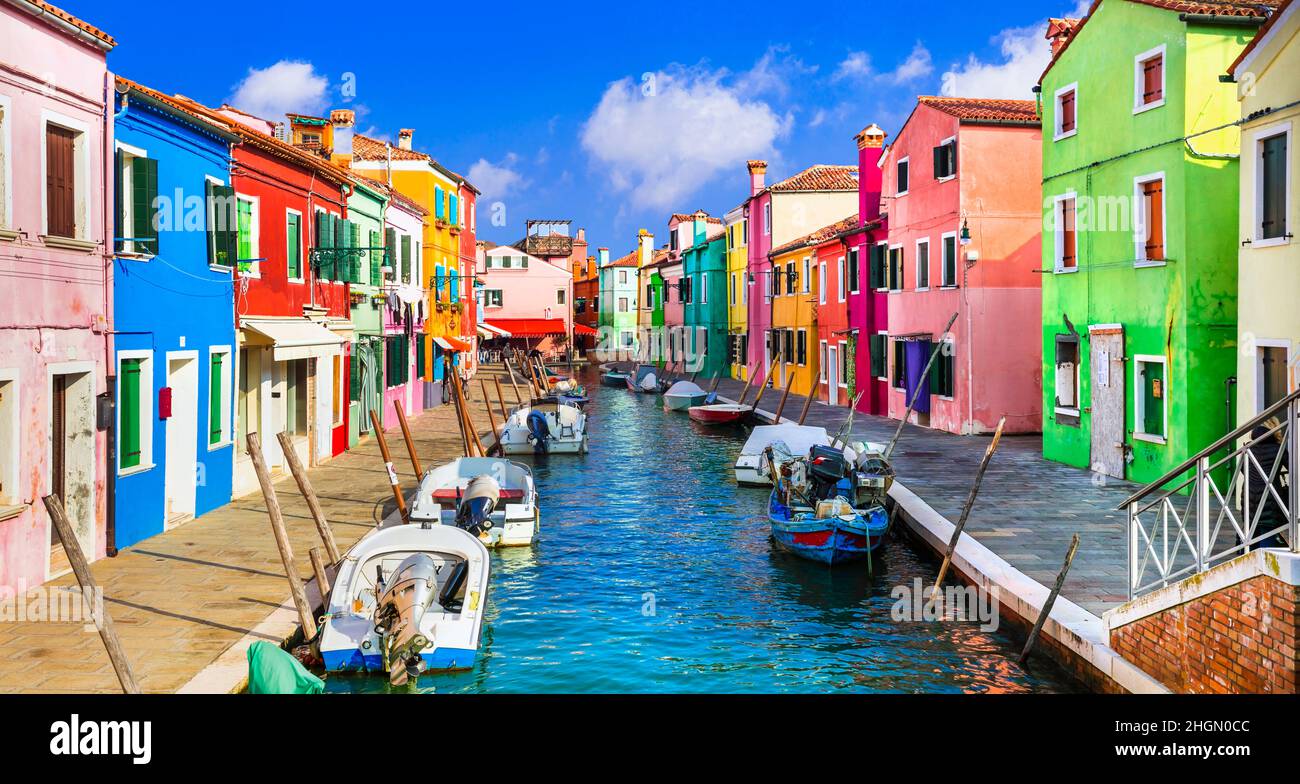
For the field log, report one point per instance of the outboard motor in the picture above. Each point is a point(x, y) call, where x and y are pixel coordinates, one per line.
point(409, 594)
point(826, 467)
point(539, 432)
point(474, 513)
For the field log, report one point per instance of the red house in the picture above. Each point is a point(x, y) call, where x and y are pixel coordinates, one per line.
point(467, 222)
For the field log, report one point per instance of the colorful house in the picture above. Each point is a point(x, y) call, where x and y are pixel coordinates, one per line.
point(1268, 323)
point(800, 275)
point(867, 376)
point(704, 276)
point(737, 227)
point(778, 214)
point(837, 274)
point(586, 295)
point(527, 297)
point(175, 375)
point(1140, 284)
point(963, 238)
point(467, 232)
point(55, 339)
point(398, 364)
point(650, 315)
point(619, 296)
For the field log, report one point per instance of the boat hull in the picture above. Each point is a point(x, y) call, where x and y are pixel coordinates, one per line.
point(717, 415)
point(682, 402)
point(831, 540)
point(614, 379)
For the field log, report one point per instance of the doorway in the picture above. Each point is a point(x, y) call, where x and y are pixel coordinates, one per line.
point(72, 459)
point(181, 470)
point(832, 374)
point(1106, 380)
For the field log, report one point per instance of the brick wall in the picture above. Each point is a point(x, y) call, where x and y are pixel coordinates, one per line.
point(1239, 639)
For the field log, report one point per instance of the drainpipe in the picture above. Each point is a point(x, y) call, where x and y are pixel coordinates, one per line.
point(110, 376)
point(1228, 384)
point(1221, 19)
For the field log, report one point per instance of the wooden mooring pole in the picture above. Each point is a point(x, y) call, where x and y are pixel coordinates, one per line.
point(749, 379)
point(410, 443)
point(789, 384)
point(1051, 599)
point(281, 536)
point(469, 422)
point(501, 398)
point(807, 404)
point(322, 576)
point(511, 371)
point(934, 353)
point(487, 401)
point(90, 592)
point(309, 495)
point(388, 466)
point(763, 386)
point(965, 509)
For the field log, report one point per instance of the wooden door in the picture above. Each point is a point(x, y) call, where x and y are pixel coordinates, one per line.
point(1106, 377)
point(58, 465)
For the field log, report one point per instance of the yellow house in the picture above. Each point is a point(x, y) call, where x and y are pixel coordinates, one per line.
point(794, 316)
point(1268, 321)
point(737, 228)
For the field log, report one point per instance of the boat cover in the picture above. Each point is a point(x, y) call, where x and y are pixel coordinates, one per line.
point(271, 670)
point(684, 389)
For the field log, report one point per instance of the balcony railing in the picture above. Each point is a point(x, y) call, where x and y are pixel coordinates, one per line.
point(1231, 503)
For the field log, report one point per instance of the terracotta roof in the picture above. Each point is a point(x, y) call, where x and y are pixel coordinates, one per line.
point(819, 236)
point(1259, 36)
point(630, 260)
point(683, 217)
point(70, 19)
point(393, 194)
point(1255, 8)
point(820, 177)
point(367, 149)
point(123, 84)
point(985, 109)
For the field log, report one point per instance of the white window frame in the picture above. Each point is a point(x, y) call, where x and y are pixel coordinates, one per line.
point(1057, 135)
point(256, 201)
point(1058, 234)
point(805, 285)
point(1139, 227)
point(842, 378)
point(821, 361)
point(889, 269)
point(227, 387)
point(956, 262)
point(146, 410)
point(1259, 368)
point(1072, 411)
point(842, 280)
point(767, 217)
point(885, 288)
point(81, 177)
point(1139, 399)
point(797, 333)
point(888, 355)
point(304, 263)
point(856, 255)
point(1138, 106)
point(952, 352)
point(953, 141)
point(917, 263)
point(1257, 203)
point(904, 160)
point(6, 164)
point(821, 280)
point(10, 441)
point(128, 205)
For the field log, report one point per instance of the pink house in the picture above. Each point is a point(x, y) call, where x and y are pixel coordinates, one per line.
point(403, 314)
point(527, 297)
point(55, 259)
point(962, 183)
point(868, 300)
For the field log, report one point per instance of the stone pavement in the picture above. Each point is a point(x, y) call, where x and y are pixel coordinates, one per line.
point(183, 597)
point(1027, 508)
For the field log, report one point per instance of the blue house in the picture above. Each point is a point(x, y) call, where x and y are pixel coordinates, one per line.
point(173, 320)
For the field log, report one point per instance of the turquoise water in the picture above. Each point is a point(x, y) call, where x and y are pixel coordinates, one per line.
point(653, 573)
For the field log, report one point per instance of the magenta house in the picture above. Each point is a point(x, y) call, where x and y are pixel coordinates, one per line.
point(56, 263)
point(868, 303)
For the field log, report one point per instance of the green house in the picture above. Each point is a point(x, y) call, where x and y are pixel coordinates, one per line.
point(366, 206)
point(704, 270)
point(1140, 234)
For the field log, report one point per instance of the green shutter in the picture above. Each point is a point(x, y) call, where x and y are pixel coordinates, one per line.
point(244, 250)
point(325, 245)
point(420, 360)
point(878, 345)
point(941, 373)
point(950, 261)
point(128, 406)
point(222, 230)
point(293, 243)
point(406, 258)
point(214, 398)
point(354, 376)
point(144, 192)
point(390, 249)
point(375, 259)
point(119, 223)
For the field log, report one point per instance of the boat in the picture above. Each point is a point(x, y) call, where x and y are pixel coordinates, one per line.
point(615, 378)
point(500, 491)
point(751, 467)
point(407, 598)
point(718, 413)
point(645, 378)
point(545, 426)
point(683, 395)
point(814, 508)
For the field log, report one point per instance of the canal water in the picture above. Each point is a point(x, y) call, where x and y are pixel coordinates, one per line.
point(653, 573)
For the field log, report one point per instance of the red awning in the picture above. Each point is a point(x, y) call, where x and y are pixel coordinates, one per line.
point(583, 329)
point(529, 328)
point(457, 344)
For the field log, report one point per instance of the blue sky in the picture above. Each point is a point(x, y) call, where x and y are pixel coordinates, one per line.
point(610, 114)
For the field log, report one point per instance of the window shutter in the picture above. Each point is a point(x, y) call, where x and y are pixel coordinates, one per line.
point(354, 374)
point(420, 359)
point(390, 251)
point(1152, 72)
point(60, 182)
point(325, 245)
point(1153, 196)
point(1067, 112)
point(215, 381)
point(222, 227)
point(244, 238)
point(375, 259)
point(453, 209)
point(938, 162)
point(119, 222)
point(128, 405)
point(144, 191)
point(406, 258)
point(877, 346)
point(437, 202)
point(293, 244)
point(1273, 155)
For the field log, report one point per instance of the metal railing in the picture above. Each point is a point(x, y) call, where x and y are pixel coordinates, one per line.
point(1191, 525)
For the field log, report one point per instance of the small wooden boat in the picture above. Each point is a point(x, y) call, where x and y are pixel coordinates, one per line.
point(832, 532)
point(683, 395)
point(545, 427)
point(407, 598)
point(718, 413)
point(751, 466)
point(645, 378)
point(615, 378)
point(491, 493)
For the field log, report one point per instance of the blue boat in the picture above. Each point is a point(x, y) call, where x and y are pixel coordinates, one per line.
point(614, 379)
point(830, 540)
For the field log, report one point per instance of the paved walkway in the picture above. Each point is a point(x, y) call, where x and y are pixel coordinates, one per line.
point(183, 597)
point(1027, 508)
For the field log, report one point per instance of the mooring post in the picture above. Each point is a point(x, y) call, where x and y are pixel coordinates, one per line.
point(388, 466)
point(501, 400)
point(322, 576)
point(784, 396)
point(511, 371)
point(80, 568)
point(807, 404)
point(469, 422)
point(309, 495)
point(966, 507)
point(1051, 599)
point(763, 386)
point(281, 536)
point(487, 401)
point(744, 389)
point(410, 443)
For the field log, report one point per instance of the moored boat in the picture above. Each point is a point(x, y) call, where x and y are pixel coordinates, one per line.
point(814, 509)
point(683, 395)
point(495, 493)
point(644, 378)
point(545, 426)
point(615, 378)
point(751, 467)
point(718, 413)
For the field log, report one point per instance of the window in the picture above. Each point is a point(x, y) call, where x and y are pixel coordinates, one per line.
point(896, 268)
point(731, 289)
point(1151, 392)
point(845, 358)
point(879, 349)
point(704, 289)
point(559, 296)
point(821, 362)
point(6, 219)
point(340, 403)
point(1149, 222)
point(821, 290)
point(672, 240)
point(744, 232)
point(900, 365)
point(922, 265)
point(247, 225)
point(901, 177)
point(806, 277)
point(1271, 373)
point(945, 159)
point(1066, 239)
point(767, 218)
point(839, 279)
point(220, 373)
point(628, 338)
point(879, 279)
point(622, 304)
point(791, 277)
point(439, 208)
point(1067, 379)
point(949, 261)
point(767, 285)
point(135, 230)
point(622, 277)
point(293, 244)
point(65, 181)
point(134, 411)
point(1272, 191)
point(787, 339)
point(295, 392)
point(941, 371)
point(1149, 79)
point(404, 270)
point(854, 273)
point(801, 347)
point(373, 261)
point(221, 226)
point(397, 359)
point(10, 492)
point(492, 298)
point(1066, 110)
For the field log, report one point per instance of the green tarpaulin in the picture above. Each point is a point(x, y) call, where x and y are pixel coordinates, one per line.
point(273, 671)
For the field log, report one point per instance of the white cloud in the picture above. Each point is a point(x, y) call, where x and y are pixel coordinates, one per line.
point(818, 118)
point(1025, 53)
point(917, 66)
point(666, 134)
point(773, 73)
point(287, 86)
point(856, 65)
point(496, 180)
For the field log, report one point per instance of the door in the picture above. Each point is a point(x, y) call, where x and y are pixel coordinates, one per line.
point(182, 439)
point(1106, 380)
point(58, 466)
point(72, 462)
point(832, 374)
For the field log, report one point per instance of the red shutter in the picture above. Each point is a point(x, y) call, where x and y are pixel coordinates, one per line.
point(1153, 196)
point(1069, 254)
point(1067, 112)
point(1153, 79)
point(60, 178)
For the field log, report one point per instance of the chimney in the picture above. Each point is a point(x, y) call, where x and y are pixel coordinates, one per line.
point(1059, 32)
point(404, 138)
point(871, 144)
point(581, 236)
point(699, 227)
point(604, 256)
point(756, 171)
point(646, 246)
point(343, 121)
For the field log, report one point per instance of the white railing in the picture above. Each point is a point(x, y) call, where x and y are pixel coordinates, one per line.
point(1178, 527)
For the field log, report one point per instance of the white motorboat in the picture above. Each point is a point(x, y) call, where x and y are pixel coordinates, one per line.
point(407, 598)
point(548, 426)
point(683, 395)
point(499, 491)
point(751, 468)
